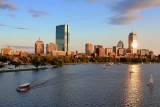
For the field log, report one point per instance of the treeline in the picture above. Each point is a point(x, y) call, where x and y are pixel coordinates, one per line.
point(59, 61)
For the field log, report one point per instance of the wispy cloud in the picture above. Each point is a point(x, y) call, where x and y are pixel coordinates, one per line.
point(21, 47)
point(126, 11)
point(90, 1)
point(2, 25)
point(6, 5)
point(37, 13)
point(21, 28)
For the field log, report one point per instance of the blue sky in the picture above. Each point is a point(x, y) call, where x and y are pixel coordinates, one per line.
point(104, 22)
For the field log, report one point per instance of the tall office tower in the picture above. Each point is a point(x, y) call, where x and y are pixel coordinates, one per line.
point(88, 48)
point(39, 47)
point(51, 47)
point(132, 41)
point(120, 44)
point(63, 37)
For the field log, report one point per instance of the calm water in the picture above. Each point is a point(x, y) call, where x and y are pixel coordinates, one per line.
point(84, 85)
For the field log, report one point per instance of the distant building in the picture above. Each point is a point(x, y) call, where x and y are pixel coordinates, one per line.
point(58, 53)
point(97, 46)
point(6, 51)
point(115, 50)
point(100, 52)
point(63, 37)
point(51, 47)
point(88, 49)
point(108, 51)
point(120, 44)
point(143, 52)
point(39, 47)
point(121, 52)
point(151, 53)
point(132, 41)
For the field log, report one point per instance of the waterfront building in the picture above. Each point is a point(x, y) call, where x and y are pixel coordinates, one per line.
point(121, 52)
point(100, 52)
point(88, 49)
point(6, 51)
point(97, 46)
point(151, 53)
point(63, 37)
point(39, 47)
point(120, 44)
point(108, 51)
point(51, 47)
point(132, 42)
point(143, 52)
point(58, 53)
point(115, 50)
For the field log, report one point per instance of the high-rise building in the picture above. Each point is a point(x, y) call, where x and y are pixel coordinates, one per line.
point(63, 37)
point(51, 47)
point(120, 44)
point(88, 48)
point(39, 47)
point(132, 41)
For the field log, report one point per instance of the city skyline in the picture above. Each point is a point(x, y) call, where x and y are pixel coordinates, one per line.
point(23, 22)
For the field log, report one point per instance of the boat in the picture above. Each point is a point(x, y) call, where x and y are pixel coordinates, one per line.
point(108, 64)
point(131, 71)
point(24, 87)
point(151, 81)
point(10, 67)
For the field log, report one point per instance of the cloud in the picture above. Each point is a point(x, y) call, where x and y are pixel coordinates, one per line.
point(90, 1)
point(22, 47)
point(125, 11)
point(2, 25)
point(5, 5)
point(37, 13)
point(21, 28)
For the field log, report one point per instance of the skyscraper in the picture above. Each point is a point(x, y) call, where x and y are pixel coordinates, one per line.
point(63, 37)
point(120, 44)
point(88, 48)
point(51, 47)
point(132, 41)
point(39, 47)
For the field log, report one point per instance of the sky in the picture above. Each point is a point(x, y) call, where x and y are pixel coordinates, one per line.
point(100, 22)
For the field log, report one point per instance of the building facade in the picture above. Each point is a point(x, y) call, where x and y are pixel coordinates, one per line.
point(63, 37)
point(97, 46)
point(51, 47)
point(108, 51)
point(120, 44)
point(6, 51)
point(88, 49)
point(132, 43)
point(100, 52)
point(39, 47)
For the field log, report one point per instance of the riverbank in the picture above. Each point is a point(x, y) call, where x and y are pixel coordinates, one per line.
point(18, 70)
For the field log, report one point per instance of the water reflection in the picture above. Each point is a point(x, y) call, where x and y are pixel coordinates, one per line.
point(133, 87)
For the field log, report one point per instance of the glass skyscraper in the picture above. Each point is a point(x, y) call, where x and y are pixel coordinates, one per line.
point(63, 37)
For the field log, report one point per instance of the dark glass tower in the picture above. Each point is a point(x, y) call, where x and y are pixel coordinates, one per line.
point(63, 37)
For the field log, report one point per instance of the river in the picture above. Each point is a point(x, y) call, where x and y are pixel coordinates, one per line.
point(83, 85)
